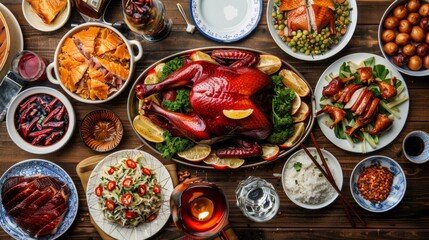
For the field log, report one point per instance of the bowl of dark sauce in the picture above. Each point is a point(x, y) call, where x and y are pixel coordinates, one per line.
point(416, 146)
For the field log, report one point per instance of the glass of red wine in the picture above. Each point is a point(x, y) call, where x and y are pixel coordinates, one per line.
point(199, 209)
point(147, 18)
point(29, 66)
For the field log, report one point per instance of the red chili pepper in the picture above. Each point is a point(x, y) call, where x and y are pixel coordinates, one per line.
point(33, 113)
point(38, 139)
point(151, 217)
point(146, 171)
point(39, 126)
point(51, 115)
point(25, 128)
point(44, 104)
point(60, 113)
point(130, 215)
point(28, 102)
point(131, 163)
point(51, 138)
point(110, 205)
point(54, 124)
point(111, 185)
point(127, 182)
point(156, 189)
point(38, 133)
point(127, 199)
point(52, 103)
point(99, 191)
point(111, 170)
point(141, 190)
point(23, 117)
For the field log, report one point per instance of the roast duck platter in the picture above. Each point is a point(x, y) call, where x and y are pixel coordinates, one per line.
point(221, 107)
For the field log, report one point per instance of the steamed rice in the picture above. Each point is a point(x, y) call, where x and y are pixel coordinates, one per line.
point(308, 185)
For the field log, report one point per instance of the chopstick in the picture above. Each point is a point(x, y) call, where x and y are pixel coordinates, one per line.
point(332, 182)
point(328, 171)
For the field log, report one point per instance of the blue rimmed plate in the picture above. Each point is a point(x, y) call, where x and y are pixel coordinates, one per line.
point(32, 167)
point(225, 20)
point(397, 190)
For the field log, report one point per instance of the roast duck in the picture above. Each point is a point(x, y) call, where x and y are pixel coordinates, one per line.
point(216, 87)
point(360, 101)
point(36, 203)
point(311, 16)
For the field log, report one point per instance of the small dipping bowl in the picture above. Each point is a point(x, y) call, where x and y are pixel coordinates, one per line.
point(101, 130)
point(416, 147)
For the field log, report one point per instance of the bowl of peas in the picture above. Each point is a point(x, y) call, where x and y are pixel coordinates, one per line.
point(314, 31)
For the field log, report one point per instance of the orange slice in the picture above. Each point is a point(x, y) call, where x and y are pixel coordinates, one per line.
point(237, 114)
point(223, 163)
point(200, 56)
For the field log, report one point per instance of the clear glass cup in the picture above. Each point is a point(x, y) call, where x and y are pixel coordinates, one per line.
point(147, 18)
point(257, 199)
point(29, 66)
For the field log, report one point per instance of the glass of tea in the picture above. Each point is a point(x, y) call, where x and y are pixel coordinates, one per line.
point(416, 146)
point(147, 18)
point(199, 209)
point(29, 66)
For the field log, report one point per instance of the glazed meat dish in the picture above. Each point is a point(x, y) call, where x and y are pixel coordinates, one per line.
point(94, 63)
point(37, 203)
point(47, 10)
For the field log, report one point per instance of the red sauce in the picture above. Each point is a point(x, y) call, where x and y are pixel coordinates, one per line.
point(375, 183)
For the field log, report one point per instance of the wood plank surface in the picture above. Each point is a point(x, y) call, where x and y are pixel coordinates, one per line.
point(409, 220)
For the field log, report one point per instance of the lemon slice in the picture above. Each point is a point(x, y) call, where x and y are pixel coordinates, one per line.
point(269, 64)
point(147, 129)
point(196, 153)
point(270, 151)
point(200, 56)
point(223, 163)
point(151, 78)
point(294, 82)
point(302, 114)
point(296, 104)
point(298, 132)
point(237, 114)
point(158, 69)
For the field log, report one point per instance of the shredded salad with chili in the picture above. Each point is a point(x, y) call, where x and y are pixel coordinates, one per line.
point(129, 193)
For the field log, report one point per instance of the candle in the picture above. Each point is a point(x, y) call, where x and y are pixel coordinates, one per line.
point(202, 209)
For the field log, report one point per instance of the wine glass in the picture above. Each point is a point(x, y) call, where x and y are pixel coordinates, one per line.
point(147, 18)
point(199, 209)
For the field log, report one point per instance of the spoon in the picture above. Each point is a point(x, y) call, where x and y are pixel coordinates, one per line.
point(190, 28)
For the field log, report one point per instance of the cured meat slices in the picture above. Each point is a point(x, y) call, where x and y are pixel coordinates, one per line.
point(37, 203)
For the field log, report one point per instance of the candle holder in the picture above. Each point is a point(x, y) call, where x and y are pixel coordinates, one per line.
point(199, 208)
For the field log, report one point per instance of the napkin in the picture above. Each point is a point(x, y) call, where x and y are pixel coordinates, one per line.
point(85, 167)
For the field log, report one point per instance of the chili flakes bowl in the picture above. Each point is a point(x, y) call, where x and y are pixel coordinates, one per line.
point(397, 190)
point(29, 110)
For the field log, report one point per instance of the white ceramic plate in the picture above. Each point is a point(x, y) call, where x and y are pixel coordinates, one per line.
point(385, 137)
point(334, 167)
point(24, 145)
point(17, 40)
point(36, 22)
point(32, 167)
point(225, 20)
point(143, 230)
point(343, 42)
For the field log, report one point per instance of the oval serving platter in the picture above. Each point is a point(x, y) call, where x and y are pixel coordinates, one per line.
point(133, 103)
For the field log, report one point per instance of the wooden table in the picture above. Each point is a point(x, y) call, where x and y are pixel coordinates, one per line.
point(410, 219)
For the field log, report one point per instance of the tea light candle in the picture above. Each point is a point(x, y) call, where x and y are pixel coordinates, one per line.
point(202, 209)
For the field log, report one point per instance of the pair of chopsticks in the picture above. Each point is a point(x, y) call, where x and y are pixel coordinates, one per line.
point(328, 175)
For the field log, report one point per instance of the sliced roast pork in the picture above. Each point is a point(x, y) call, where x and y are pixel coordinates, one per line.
point(38, 203)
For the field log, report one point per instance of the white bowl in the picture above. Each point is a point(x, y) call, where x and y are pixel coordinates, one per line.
point(334, 167)
point(397, 191)
point(36, 22)
point(133, 59)
point(12, 129)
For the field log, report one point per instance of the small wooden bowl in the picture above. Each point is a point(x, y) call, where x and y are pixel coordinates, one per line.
point(101, 130)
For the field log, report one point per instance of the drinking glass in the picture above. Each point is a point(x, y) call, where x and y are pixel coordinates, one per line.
point(147, 18)
point(257, 199)
point(29, 66)
point(199, 209)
